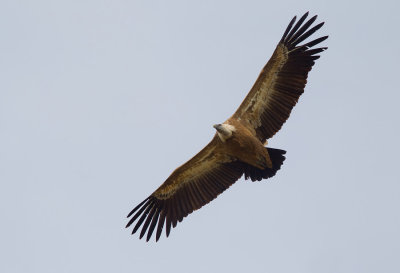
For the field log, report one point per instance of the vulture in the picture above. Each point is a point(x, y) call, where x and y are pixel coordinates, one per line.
point(239, 144)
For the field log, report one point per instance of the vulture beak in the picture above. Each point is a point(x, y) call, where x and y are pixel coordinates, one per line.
point(217, 127)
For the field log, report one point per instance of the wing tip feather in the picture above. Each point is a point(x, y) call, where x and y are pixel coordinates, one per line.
point(301, 30)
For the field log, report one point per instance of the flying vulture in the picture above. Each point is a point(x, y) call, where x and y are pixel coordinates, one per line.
point(238, 147)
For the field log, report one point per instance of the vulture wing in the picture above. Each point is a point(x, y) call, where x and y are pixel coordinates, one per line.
point(282, 80)
point(188, 188)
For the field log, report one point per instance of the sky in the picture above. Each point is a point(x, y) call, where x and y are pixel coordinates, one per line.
point(101, 100)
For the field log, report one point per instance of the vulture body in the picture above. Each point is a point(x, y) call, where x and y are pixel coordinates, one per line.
point(238, 147)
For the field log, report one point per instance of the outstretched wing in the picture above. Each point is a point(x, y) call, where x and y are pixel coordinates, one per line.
point(282, 80)
point(188, 188)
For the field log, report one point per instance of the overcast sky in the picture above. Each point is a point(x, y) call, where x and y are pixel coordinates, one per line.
point(101, 100)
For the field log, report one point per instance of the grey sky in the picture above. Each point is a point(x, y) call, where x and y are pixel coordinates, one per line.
point(101, 100)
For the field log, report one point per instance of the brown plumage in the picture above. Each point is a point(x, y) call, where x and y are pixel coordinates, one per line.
point(238, 146)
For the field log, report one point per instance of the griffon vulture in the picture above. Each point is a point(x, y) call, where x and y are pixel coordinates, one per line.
point(238, 146)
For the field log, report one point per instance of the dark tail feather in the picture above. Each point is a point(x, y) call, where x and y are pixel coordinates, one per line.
point(255, 174)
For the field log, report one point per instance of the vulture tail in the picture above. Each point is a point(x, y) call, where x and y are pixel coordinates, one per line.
point(255, 174)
